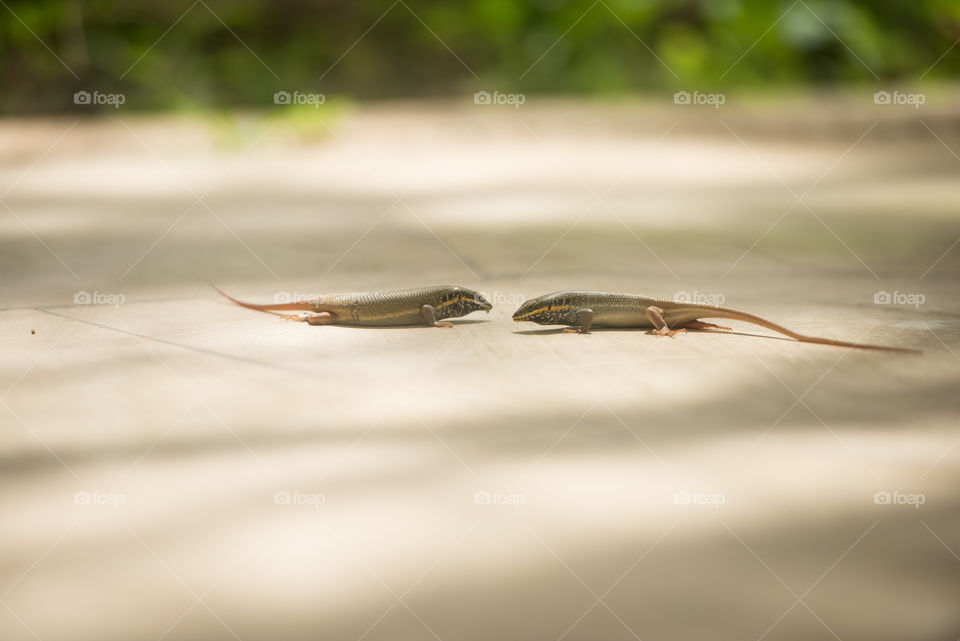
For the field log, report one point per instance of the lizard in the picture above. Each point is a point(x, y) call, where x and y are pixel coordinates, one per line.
point(582, 310)
point(417, 306)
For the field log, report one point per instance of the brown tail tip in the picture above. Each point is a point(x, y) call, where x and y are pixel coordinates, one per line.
point(223, 293)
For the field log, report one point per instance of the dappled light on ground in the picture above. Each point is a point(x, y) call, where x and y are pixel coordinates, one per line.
point(177, 467)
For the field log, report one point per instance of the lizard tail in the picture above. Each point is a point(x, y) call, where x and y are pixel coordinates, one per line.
point(300, 305)
point(735, 314)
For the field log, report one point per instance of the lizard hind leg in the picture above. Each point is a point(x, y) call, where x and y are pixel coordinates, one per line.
point(312, 318)
point(655, 316)
point(696, 324)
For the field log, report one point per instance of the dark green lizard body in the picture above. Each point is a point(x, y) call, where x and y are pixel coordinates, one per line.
point(586, 309)
point(416, 306)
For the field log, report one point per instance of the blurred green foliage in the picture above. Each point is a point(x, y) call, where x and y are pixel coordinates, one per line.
point(218, 53)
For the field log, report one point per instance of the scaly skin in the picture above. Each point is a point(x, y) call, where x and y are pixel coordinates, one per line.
point(417, 306)
point(585, 309)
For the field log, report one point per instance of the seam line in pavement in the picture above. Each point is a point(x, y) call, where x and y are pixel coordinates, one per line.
point(202, 350)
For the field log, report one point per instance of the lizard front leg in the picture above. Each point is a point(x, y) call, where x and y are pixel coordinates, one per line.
point(655, 316)
point(584, 321)
point(430, 317)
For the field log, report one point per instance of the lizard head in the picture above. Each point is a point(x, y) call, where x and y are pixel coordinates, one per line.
point(460, 301)
point(550, 309)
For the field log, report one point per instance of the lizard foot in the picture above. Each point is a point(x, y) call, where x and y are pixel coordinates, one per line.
point(313, 318)
point(443, 324)
point(668, 332)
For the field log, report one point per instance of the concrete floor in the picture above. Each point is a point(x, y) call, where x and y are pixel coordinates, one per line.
point(178, 468)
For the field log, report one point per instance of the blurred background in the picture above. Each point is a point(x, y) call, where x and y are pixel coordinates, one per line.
point(175, 467)
point(236, 54)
